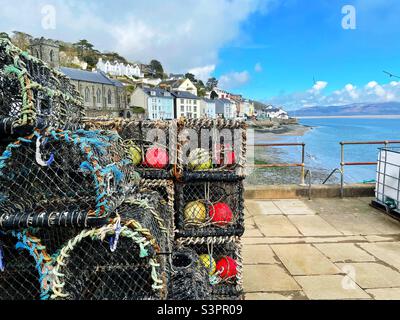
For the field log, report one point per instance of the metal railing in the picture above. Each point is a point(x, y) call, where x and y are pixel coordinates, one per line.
point(343, 163)
point(285, 165)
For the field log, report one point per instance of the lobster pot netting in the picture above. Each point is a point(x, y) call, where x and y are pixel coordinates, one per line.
point(211, 149)
point(209, 209)
point(24, 267)
point(115, 262)
point(152, 147)
point(34, 95)
point(189, 279)
point(221, 256)
point(62, 178)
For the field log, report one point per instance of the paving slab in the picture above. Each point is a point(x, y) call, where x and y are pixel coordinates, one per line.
point(389, 252)
point(258, 254)
point(294, 207)
point(385, 238)
point(385, 293)
point(304, 259)
point(252, 233)
point(267, 278)
point(330, 287)
point(349, 224)
point(276, 226)
point(344, 252)
point(294, 295)
point(369, 275)
point(261, 207)
point(314, 226)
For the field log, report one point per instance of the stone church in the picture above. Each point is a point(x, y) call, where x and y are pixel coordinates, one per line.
point(101, 95)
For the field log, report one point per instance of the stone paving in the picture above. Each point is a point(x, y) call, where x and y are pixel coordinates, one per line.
point(320, 249)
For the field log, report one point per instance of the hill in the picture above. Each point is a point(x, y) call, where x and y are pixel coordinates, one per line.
point(356, 109)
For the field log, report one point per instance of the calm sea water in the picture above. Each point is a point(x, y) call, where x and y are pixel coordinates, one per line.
point(323, 149)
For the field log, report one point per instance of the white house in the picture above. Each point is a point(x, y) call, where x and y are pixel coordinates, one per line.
point(273, 113)
point(187, 105)
point(157, 103)
point(207, 107)
point(225, 108)
point(183, 85)
point(119, 69)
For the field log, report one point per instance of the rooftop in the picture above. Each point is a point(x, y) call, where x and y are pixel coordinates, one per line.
point(88, 76)
point(184, 95)
point(157, 92)
point(320, 249)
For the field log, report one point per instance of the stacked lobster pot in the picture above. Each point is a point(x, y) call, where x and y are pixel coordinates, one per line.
point(209, 204)
point(72, 222)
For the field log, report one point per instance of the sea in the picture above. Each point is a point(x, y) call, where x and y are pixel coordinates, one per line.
point(323, 144)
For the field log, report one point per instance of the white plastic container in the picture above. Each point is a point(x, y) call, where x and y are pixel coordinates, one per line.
point(388, 178)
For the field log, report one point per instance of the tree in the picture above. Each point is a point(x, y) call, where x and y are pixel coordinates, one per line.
point(21, 39)
point(157, 67)
point(211, 84)
point(191, 77)
point(83, 46)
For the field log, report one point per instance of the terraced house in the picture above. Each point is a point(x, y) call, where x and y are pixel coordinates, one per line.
point(157, 104)
point(187, 105)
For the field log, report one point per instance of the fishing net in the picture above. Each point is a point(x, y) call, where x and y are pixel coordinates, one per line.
point(32, 95)
point(221, 256)
point(208, 209)
point(211, 149)
point(25, 270)
point(62, 179)
point(189, 280)
point(114, 262)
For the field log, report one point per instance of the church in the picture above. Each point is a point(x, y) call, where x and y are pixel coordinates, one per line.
point(101, 95)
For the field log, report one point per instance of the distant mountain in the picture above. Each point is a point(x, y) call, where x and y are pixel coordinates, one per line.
point(356, 109)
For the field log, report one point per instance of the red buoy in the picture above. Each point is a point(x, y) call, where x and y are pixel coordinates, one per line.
point(221, 213)
point(227, 268)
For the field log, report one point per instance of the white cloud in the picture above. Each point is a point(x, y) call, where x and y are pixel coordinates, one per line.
point(203, 73)
point(371, 92)
point(182, 35)
point(319, 85)
point(234, 80)
point(258, 67)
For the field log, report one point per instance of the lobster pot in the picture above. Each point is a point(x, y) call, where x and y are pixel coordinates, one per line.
point(110, 263)
point(24, 270)
point(190, 280)
point(222, 259)
point(62, 179)
point(34, 95)
point(165, 190)
point(209, 209)
point(151, 146)
point(211, 149)
point(108, 124)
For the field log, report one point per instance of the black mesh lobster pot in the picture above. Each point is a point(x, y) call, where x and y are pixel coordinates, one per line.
point(114, 262)
point(209, 209)
point(221, 256)
point(152, 147)
point(62, 179)
point(189, 279)
point(211, 149)
point(24, 267)
point(33, 95)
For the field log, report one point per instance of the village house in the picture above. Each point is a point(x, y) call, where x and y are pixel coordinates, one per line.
point(225, 108)
point(184, 85)
point(158, 104)
point(119, 69)
point(187, 105)
point(272, 113)
point(207, 107)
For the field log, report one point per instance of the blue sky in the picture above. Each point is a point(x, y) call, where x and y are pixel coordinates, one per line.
point(270, 50)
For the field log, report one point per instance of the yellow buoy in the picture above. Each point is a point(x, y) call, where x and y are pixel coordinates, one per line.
point(199, 159)
point(135, 154)
point(195, 212)
point(208, 261)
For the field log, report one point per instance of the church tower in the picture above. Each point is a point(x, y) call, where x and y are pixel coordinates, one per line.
point(46, 50)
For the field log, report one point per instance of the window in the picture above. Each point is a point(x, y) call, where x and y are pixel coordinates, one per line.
point(182, 108)
point(51, 55)
point(87, 94)
point(98, 96)
point(182, 101)
point(194, 109)
point(109, 96)
point(195, 102)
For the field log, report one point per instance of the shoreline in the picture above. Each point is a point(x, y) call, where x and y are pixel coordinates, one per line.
point(395, 116)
